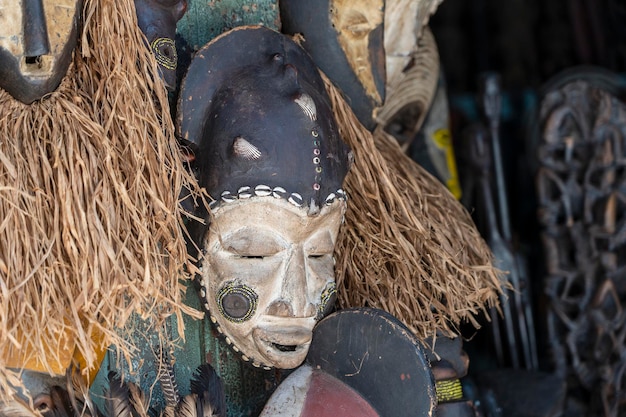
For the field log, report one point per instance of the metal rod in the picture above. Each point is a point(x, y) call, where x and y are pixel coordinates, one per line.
point(492, 105)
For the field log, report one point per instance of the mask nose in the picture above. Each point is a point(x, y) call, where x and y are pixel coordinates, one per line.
point(280, 308)
point(36, 42)
point(294, 300)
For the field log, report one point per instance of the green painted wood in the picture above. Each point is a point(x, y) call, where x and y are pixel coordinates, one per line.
point(206, 19)
point(247, 388)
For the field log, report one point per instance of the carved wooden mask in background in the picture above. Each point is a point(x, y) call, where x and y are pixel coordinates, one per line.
point(37, 38)
point(157, 20)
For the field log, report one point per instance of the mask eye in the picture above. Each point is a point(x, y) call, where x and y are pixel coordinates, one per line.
point(237, 302)
point(252, 243)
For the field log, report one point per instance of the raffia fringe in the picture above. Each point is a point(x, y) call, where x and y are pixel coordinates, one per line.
point(90, 228)
point(407, 245)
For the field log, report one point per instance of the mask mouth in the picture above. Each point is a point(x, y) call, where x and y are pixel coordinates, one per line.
point(285, 339)
point(280, 350)
point(284, 347)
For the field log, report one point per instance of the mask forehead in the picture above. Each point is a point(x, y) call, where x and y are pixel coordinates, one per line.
point(292, 223)
point(37, 38)
point(268, 276)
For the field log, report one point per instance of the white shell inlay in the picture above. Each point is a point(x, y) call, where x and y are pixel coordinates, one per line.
point(276, 192)
point(262, 190)
point(244, 192)
point(307, 105)
point(244, 149)
point(295, 199)
point(279, 192)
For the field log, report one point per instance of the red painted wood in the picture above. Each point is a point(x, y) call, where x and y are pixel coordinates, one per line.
point(329, 397)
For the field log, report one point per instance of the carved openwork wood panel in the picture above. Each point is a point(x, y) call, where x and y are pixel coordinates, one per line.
point(581, 186)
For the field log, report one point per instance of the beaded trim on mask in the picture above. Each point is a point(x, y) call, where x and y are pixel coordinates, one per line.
point(168, 62)
point(240, 289)
point(276, 192)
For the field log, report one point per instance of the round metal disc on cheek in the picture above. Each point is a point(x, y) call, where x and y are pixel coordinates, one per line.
point(237, 302)
point(236, 305)
point(379, 357)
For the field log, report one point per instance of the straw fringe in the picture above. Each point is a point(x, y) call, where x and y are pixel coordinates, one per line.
point(407, 246)
point(90, 224)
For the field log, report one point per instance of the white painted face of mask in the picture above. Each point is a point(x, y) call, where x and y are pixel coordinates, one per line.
point(354, 21)
point(268, 276)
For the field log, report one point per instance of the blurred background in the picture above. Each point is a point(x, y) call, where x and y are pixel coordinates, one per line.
point(571, 278)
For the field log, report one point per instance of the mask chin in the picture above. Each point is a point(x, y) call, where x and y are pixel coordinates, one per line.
point(279, 345)
point(263, 340)
point(287, 347)
point(37, 40)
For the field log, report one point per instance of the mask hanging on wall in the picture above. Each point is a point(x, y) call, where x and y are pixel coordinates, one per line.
point(345, 38)
point(37, 38)
point(157, 20)
point(268, 152)
point(379, 53)
point(78, 244)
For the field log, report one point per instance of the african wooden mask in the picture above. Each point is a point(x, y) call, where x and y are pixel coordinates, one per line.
point(269, 154)
point(345, 38)
point(157, 20)
point(37, 38)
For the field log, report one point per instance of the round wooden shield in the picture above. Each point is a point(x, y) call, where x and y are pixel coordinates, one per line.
point(364, 351)
point(378, 356)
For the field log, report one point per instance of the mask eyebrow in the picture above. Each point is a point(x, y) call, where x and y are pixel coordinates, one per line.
point(320, 243)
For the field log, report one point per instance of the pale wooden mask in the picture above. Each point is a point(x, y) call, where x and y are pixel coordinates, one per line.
point(268, 276)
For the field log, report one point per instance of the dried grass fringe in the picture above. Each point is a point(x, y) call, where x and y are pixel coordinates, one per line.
point(407, 245)
point(90, 228)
